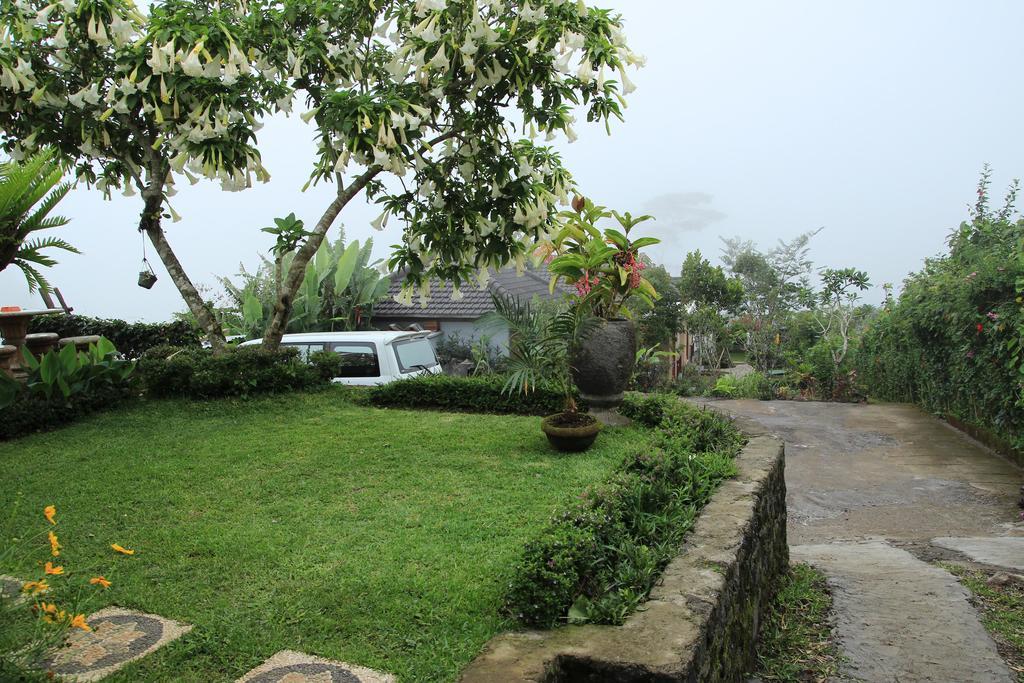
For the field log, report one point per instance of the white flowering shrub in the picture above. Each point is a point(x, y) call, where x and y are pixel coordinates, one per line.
point(454, 98)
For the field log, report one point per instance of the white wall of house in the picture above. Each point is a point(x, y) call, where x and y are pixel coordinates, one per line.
point(475, 330)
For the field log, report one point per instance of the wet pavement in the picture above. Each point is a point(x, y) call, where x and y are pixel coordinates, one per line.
point(876, 495)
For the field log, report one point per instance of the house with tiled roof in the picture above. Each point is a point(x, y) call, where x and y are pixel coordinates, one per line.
point(461, 317)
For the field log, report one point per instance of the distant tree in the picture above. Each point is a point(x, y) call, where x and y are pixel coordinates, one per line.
point(837, 309)
point(708, 297)
point(775, 283)
point(659, 323)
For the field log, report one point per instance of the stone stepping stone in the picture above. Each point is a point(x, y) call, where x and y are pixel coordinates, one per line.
point(10, 588)
point(1004, 551)
point(901, 619)
point(295, 667)
point(118, 637)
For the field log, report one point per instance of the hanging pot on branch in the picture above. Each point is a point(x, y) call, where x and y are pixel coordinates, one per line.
point(147, 278)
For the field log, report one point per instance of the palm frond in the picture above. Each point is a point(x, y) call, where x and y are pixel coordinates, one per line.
point(49, 243)
point(39, 220)
point(34, 278)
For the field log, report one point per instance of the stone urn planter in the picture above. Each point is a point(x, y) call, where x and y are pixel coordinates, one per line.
point(602, 366)
point(571, 432)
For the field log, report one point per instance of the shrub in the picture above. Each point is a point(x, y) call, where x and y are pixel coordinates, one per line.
point(691, 381)
point(952, 342)
point(242, 371)
point(598, 560)
point(35, 413)
point(481, 394)
point(61, 386)
point(131, 339)
point(647, 409)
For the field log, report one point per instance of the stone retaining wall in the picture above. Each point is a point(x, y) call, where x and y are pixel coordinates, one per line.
point(702, 619)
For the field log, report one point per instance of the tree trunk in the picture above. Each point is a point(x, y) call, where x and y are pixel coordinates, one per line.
point(150, 223)
point(278, 324)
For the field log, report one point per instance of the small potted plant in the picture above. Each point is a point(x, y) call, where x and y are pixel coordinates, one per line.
point(541, 346)
point(605, 268)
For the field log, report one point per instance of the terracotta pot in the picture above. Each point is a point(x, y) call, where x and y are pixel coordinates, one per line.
point(604, 363)
point(571, 439)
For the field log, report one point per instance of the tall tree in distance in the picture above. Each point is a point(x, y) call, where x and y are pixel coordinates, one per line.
point(708, 296)
point(775, 283)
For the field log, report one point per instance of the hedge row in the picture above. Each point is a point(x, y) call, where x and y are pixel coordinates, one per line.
point(598, 560)
point(35, 413)
point(131, 339)
point(483, 394)
point(243, 371)
point(954, 340)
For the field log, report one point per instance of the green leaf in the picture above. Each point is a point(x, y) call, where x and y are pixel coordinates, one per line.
point(252, 309)
point(346, 267)
point(645, 242)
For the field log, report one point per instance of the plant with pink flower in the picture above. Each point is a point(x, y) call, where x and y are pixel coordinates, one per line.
point(603, 265)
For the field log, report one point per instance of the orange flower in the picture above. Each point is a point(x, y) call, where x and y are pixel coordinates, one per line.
point(54, 545)
point(122, 550)
point(99, 581)
point(49, 612)
point(50, 569)
point(49, 512)
point(35, 587)
point(78, 621)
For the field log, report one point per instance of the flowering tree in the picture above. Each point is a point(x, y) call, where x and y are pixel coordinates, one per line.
point(425, 91)
point(134, 100)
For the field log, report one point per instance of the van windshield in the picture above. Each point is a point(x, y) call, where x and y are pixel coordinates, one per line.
point(415, 354)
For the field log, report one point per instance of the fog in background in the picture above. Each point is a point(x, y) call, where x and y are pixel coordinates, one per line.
point(872, 119)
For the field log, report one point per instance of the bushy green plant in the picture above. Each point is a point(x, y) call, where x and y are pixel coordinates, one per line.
point(692, 381)
point(35, 413)
point(131, 339)
point(63, 386)
point(69, 371)
point(650, 369)
point(598, 560)
point(604, 266)
point(647, 409)
point(482, 394)
point(952, 341)
point(243, 371)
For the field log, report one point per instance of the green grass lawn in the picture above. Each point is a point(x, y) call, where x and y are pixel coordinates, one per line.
point(381, 538)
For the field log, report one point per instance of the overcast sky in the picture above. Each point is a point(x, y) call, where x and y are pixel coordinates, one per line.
point(760, 119)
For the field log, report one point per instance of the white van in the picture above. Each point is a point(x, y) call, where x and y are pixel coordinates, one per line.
point(371, 358)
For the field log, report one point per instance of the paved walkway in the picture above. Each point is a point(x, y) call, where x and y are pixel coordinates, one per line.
point(875, 492)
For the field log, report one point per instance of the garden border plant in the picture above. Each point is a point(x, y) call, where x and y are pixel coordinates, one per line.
point(131, 339)
point(951, 342)
point(61, 386)
point(598, 560)
point(477, 394)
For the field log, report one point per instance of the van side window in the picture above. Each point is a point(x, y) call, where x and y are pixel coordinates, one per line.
point(358, 359)
point(305, 350)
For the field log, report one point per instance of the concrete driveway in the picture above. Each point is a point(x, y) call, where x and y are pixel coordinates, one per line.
point(875, 492)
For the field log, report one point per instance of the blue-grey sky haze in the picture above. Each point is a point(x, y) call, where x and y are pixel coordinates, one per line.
point(871, 118)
